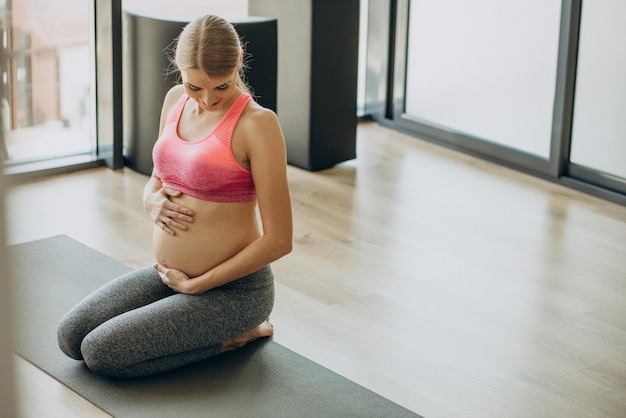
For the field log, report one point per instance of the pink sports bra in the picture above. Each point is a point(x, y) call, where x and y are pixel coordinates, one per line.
point(205, 169)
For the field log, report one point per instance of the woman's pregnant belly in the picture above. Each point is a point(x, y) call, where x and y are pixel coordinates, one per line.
point(218, 232)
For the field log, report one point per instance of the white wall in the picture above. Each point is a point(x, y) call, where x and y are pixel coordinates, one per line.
point(189, 8)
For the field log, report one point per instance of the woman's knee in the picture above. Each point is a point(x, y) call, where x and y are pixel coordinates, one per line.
point(101, 355)
point(70, 336)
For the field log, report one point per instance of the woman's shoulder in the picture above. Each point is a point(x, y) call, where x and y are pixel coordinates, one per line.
point(255, 115)
point(174, 95)
point(260, 127)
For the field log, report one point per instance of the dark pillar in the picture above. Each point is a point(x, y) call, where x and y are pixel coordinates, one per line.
point(317, 86)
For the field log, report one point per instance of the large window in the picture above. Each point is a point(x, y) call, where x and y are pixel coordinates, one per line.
point(486, 68)
point(47, 80)
point(536, 85)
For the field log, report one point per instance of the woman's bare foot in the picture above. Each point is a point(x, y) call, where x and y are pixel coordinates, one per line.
point(264, 330)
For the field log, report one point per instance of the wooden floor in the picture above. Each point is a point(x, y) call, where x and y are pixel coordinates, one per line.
point(452, 286)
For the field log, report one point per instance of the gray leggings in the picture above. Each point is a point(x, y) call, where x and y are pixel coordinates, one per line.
point(136, 326)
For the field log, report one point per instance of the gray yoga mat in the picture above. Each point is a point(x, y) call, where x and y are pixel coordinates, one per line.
point(263, 379)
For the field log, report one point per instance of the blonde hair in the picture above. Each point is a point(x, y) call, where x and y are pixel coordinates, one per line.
point(210, 44)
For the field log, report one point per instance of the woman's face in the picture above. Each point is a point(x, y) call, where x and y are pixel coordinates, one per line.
point(211, 93)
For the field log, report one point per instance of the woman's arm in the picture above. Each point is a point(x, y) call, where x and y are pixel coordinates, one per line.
point(156, 198)
point(268, 162)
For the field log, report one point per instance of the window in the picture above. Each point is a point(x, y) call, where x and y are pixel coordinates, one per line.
point(47, 80)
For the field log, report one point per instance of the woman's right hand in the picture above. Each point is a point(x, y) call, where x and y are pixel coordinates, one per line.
point(166, 214)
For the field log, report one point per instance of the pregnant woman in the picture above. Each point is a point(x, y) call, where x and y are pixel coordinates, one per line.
point(220, 202)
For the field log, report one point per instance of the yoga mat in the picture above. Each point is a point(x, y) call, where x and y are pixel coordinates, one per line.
point(263, 379)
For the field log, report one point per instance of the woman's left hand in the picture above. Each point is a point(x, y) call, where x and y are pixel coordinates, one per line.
point(176, 280)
